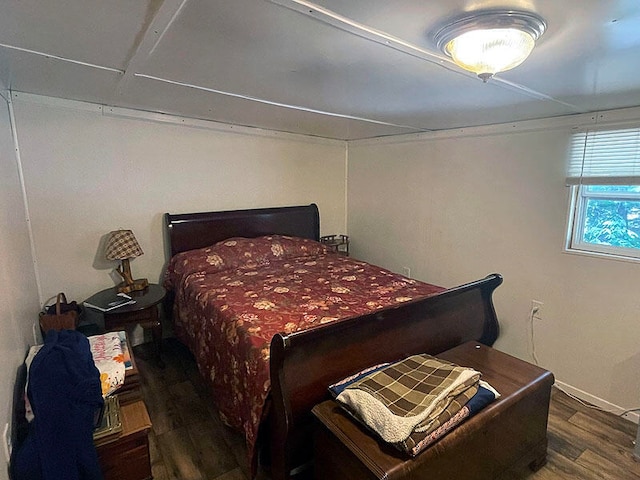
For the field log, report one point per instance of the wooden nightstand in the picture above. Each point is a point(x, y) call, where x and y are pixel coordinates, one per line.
point(144, 312)
point(126, 456)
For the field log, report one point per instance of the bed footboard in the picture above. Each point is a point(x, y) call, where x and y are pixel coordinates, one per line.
point(304, 364)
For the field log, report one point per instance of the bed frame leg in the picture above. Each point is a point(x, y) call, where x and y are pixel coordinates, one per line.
point(539, 462)
point(279, 467)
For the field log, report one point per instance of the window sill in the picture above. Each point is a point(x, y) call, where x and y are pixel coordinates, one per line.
point(604, 256)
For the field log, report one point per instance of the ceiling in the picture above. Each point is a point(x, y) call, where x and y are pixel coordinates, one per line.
point(343, 69)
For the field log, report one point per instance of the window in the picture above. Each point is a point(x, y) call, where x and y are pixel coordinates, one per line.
point(604, 174)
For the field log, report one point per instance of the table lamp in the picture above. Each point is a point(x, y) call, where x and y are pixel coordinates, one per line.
point(122, 245)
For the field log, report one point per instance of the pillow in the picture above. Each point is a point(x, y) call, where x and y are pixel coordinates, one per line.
point(239, 252)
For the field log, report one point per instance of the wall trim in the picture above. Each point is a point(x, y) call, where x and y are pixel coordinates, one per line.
point(25, 201)
point(158, 117)
point(598, 402)
point(346, 189)
point(567, 122)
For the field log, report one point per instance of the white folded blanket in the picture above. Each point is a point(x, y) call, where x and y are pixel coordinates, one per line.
point(407, 395)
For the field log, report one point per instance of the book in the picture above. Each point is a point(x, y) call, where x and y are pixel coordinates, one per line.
point(106, 303)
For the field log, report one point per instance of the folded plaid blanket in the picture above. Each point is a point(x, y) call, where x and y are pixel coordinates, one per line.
point(410, 396)
point(448, 420)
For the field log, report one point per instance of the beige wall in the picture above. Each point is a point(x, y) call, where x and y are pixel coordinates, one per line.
point(452, 208)
point(456, 208)
point(88, 170)
point(18, 294)
point(87, 173)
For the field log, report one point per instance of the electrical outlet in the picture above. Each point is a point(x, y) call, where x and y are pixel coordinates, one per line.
point(536, 309)
point(406, 271)
point(6, 440)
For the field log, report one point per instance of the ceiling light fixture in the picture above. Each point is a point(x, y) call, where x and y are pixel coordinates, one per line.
point(489, 42)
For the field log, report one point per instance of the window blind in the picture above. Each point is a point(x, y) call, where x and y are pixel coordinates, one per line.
point(605, 157)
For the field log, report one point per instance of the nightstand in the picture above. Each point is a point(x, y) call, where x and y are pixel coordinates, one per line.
point(144, 312)
point(126, 456)
point(338, 243)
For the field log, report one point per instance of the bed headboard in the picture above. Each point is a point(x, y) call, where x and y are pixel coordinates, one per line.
point(188, 231)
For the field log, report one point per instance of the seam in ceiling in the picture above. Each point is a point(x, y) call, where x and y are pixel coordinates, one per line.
point(170, 10)
point(62, 59)
point(348, 25)
point(155, 31)
point(276, 104)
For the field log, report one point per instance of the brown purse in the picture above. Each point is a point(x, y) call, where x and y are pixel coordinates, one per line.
point(61, 316)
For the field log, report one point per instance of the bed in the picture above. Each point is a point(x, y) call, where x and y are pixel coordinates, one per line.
point(278, 372)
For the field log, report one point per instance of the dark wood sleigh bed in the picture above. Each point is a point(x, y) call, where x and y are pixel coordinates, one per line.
point(304, 363)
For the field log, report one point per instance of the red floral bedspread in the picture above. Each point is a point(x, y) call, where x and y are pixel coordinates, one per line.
point(232, 298)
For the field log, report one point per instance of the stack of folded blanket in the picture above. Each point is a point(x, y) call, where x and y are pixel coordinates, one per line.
point(414, 402)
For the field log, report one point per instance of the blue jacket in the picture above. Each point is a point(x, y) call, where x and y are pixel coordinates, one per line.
point(65, 395)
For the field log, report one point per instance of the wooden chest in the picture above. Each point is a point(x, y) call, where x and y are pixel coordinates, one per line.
point(508, 434)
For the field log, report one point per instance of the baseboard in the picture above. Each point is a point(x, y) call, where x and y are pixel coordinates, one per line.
point(598, 402)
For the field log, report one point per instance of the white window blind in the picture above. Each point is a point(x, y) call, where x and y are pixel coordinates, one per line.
point(605, 157)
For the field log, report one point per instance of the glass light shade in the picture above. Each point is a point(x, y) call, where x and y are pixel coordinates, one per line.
point(489, 51)
point(491, 41)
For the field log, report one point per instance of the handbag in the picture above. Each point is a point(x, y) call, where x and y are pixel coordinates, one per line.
point(60, 316)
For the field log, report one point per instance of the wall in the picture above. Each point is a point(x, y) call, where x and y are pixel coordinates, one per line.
point(456, 206)
point(89, 170)
point(452, 207)
point(18, 294)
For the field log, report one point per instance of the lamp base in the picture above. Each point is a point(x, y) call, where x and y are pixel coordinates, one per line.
point(139, 284)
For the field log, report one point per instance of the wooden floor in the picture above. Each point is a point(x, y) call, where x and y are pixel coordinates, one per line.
point(188, 441)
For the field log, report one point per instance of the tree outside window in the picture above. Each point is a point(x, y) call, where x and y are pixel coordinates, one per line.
point(611, 219)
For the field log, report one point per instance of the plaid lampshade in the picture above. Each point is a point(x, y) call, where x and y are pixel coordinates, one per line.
point(122, 244)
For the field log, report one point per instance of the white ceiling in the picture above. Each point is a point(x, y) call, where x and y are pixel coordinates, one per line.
point(344, 69)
